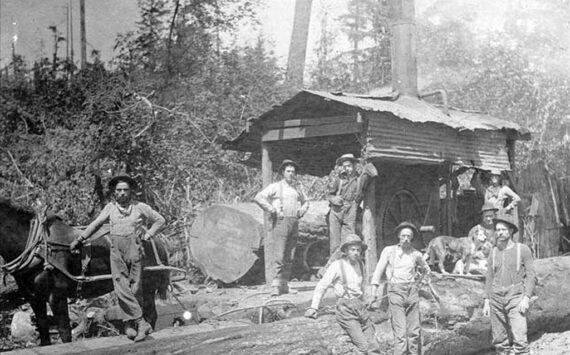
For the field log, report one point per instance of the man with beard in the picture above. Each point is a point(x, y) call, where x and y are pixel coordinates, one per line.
point(346, 275)
point(509, 286)
point(402, 264)
point(286, 203)
point(126, 217)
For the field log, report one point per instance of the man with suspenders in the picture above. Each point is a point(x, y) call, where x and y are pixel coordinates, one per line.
point(346, 275)
point(509, 286)
point(402, 265)
point(286, 203)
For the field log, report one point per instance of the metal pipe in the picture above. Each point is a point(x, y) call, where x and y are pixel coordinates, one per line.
point(444, 98)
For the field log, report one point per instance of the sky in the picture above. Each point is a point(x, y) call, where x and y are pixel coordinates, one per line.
point(27, 21)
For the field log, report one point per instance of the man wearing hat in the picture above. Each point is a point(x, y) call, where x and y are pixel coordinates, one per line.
point(346, 276)
point(126, 217)
point(402, 263)
point(509, 286)
point(286, 203)
point(484, 231)
point(343, 196)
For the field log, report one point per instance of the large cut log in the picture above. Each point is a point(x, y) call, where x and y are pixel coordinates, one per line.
point(460, 327)
point(227, 240)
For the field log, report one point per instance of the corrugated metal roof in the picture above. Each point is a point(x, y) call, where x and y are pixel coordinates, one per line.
point(459, 137)
point(420, 111)
point(430, 144)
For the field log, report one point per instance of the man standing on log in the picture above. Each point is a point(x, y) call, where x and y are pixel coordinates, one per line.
point(281, 200)
point(509, 286)
point(402, 264)
point(343, 196)
point(126, 217)
point(346, 275)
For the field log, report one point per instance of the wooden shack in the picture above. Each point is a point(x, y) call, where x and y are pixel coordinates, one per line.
point(414, 145)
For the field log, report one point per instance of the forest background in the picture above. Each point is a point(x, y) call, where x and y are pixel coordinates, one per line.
point(162, 107)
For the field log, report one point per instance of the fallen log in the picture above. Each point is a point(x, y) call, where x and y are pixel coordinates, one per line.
point(453, 326)
point(227, 241)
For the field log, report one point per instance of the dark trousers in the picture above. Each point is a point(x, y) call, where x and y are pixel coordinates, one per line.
point(126, 269)
point(508, 325)
point(342, 221)
point(405, 317)
point(280, 248)
point(354, 319)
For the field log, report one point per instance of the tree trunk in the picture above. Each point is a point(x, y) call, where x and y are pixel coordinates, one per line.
point(460, 327)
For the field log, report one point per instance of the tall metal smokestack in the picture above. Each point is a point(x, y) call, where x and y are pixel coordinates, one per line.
point(403, 44)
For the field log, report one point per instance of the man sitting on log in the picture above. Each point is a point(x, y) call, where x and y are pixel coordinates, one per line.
point(281, 199)
point(402, 263)
point(125, 216)
point(509, 285)
point(346, 275)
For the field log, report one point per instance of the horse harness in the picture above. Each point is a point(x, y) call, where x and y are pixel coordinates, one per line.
point(39, 246)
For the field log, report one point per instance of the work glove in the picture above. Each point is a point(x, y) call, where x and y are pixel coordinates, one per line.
point(311, 313)
point(75, 245)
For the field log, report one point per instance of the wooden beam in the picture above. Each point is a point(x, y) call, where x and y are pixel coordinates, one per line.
point(267, 178)
point(317, 121)
point(311, 131)
point(369, 228)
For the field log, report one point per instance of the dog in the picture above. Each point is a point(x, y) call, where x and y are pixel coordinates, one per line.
point(443, 246)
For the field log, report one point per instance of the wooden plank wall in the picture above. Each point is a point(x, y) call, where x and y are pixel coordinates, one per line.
point(534, 180)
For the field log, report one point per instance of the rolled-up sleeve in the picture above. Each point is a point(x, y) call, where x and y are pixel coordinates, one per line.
point(154, 218)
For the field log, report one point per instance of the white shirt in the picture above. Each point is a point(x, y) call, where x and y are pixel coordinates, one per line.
point(282, 197)
point(333, 276)
point(400, 266)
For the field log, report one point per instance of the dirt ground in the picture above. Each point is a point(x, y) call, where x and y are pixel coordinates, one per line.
point(222, 310)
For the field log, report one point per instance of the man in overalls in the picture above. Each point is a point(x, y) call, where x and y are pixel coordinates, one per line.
point(509, 286)
point(402, 264)
point(126, 216)
point(286, 203)
point(346, 275)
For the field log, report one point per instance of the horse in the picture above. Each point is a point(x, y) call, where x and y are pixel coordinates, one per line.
point(50, 274)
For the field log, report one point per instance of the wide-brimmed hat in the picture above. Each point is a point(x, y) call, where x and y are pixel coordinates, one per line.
point(406, 224)
point(352, 239)
point(507, 219)
point(288, 162)
point(122, 178)
point(495, 172)
point(346, 157)
point(488, 206)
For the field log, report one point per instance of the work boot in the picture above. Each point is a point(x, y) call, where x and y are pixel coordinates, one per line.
point(130, 332)
point(143, 329)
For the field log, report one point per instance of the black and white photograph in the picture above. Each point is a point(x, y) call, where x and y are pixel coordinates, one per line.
point(267, 177)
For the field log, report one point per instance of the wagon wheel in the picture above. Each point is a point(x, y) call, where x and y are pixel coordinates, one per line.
point(402, 206)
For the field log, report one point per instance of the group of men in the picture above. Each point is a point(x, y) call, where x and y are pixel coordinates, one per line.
point(510, 277)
